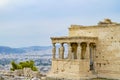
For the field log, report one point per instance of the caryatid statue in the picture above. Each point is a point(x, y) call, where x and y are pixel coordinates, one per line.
point(61, 51)
point(54, 51)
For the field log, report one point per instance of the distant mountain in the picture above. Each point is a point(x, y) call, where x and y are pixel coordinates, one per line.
point(7, 50)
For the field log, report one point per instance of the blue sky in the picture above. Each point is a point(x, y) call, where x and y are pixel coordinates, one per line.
point(32, 22)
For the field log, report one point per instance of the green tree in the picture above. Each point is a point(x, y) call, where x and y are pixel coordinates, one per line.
point(14, 65)
point(34, 68)
point(31, 62)
point(26, 64)
point(19, 66)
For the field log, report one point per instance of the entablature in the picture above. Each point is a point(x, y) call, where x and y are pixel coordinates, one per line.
point(73, 39)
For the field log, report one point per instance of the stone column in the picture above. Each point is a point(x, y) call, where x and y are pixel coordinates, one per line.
point(69, 51)
point(61, 56)
point(79, 51)
point(54, 51)
point(87, 51)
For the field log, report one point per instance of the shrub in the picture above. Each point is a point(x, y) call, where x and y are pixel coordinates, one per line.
point(21, 65)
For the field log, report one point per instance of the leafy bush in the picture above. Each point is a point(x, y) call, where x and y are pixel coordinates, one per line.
point(21, 65)
point(34, 68)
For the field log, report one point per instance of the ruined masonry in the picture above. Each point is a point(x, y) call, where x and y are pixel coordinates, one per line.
point(92, 51)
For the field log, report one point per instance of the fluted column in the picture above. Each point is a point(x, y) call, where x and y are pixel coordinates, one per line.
point(54, 51)
point(69, 51)
point(79, 51)
point(87, 51)
point(61, 56)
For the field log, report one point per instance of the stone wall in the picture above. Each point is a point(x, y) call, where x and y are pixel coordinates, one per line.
point(69, 69)
point(107, 57)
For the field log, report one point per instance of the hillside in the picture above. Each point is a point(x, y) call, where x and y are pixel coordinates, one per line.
point(8, 50)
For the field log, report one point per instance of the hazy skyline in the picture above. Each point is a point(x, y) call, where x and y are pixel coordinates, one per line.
point(32, 22)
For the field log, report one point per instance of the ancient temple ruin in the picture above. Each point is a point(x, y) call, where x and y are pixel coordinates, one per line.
point(93, 51)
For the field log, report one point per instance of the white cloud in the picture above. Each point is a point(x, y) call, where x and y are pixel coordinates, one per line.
point(8, 3)
point(4, 3)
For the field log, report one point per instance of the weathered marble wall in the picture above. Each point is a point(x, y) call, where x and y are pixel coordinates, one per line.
point(107, 57)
